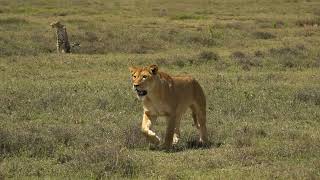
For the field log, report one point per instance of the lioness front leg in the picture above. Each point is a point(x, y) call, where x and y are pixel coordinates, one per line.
point(145, 128)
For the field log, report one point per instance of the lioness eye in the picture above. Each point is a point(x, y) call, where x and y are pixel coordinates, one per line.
point(144, 77)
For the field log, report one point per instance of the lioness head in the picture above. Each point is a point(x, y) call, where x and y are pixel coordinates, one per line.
point(143, 79)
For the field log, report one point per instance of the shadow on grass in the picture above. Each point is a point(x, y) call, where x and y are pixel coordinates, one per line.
point(134, 139)
point(188, 145)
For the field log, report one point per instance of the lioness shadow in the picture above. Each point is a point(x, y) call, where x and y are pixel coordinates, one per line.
point(188, 145)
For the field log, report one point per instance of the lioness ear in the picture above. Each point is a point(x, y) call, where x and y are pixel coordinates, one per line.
point(132, 69)
point(153, 69)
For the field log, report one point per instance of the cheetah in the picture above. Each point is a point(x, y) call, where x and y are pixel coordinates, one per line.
point(63, 45)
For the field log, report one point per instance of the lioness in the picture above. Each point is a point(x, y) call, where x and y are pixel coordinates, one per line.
point(163, 95)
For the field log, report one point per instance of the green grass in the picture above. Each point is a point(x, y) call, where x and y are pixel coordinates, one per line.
point(75, 115)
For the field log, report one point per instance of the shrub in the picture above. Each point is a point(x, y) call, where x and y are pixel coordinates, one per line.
point(2, 177)
point(91, 36)
point(278, 24)
point(173, 176)
point(290, 57)
point(284, 51)
point(161, 61)
point(244, 60)
point(108, 159)
point(308, 95)
point(243, 137)
point(63, 134)
point(205, 38)
point(308, 22)
point(238, 55)
point(208, 55)
point(134, 137)
point(102, 103)
point(258, 53)
point(60, 14)
point(64, 158)
point(31, 140)
point(263, 35)
point(236, 25)
point(186, 17)
point(13, 20)
point(180, 63)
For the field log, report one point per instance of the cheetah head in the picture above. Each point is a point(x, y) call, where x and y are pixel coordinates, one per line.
point(56, 24)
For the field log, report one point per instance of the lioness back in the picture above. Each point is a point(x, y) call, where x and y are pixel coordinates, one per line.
point(187, 90)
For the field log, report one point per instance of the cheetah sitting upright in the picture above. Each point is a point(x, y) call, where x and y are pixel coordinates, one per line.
point(63, 44)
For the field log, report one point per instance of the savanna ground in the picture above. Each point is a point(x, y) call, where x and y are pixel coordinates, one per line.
point(75, 115)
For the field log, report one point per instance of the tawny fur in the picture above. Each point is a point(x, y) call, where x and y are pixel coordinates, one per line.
point(169, 97)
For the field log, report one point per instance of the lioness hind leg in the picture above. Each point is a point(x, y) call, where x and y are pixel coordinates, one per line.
point(176, 134)
point(169, 132)
point(203, 130)
point(199, 117)
point(176, 137)
point(194, 116)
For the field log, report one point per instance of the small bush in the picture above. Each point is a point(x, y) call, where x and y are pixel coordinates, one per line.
point(278, 24)
point(64, 135)
point(243, 137)
point(108, 159)
point(285, 51)
point(168, 35)
point(33, 141)
point(162, 12)
point(64, 158)
point(245, 61)
point(208, 55)
point(238, 55)
point(317, 61)
point(261, 133)
point(129, 168)
point(300, 47)
point(308, 22)
point(161, 61)
point(176, 60)
point(102, 103)
point(248, 157)
point(311, 95)
point(258, 53)
point(134, 137)
point(173, 176)
point(186, 17)
point(2, 177)
point(204, 38)
point(263, 35)
point(180, 63)
point(15, 21)
point(291, 57)
point(6, 146)
point(60, 14)
point(91, 36)
point(236, 25)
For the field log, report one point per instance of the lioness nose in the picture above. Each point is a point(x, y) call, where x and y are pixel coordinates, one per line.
point(136, 85)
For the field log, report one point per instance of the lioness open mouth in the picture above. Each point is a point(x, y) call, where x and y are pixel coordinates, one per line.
point(141, 92)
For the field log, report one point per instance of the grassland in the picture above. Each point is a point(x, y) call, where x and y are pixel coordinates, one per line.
point(75, 116)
